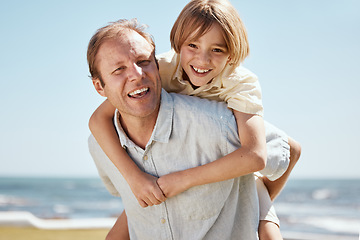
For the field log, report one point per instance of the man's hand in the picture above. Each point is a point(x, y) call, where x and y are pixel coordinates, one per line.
point(146, 190)
point(174, 183)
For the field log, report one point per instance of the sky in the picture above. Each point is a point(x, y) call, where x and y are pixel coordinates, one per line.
point(305, 53)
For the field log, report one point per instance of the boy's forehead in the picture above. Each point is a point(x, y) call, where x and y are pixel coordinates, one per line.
point(197, 31)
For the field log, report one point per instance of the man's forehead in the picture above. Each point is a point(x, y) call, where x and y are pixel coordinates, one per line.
point(134, 40)
point(129, 41)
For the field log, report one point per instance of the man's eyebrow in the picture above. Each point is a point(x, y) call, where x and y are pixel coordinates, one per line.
point(117, 65)
point(144, 55)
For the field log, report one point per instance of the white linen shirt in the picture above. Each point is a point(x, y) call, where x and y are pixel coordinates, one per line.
point(189, 132)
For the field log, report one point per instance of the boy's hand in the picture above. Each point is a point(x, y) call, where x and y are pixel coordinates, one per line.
point(146, 190)
point(174, 183)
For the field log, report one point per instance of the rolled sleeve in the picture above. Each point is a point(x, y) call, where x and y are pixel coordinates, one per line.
point(278, 152)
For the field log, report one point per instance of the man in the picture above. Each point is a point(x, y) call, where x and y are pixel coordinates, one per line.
point(165, 133)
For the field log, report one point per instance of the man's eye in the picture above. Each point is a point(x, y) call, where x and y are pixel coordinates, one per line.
point(143, 62)
point(192, 45)
point(118, 70)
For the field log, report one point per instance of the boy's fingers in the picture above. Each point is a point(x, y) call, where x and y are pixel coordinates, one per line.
point(143, 203)
point(160, 196)
point(156, 201)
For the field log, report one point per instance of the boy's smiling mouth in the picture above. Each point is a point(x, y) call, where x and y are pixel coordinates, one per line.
point(200, 70)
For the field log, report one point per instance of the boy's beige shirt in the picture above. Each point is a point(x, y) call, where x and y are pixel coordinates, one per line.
point(238, 87)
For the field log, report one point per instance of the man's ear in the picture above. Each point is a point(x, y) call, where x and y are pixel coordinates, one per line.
point(98, 86)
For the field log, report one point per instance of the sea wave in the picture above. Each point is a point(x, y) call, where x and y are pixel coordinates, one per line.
point(27, 219)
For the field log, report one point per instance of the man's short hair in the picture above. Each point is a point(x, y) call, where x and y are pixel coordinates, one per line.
point(112, 31)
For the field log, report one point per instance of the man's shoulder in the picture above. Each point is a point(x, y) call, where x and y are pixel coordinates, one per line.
point(200, 106)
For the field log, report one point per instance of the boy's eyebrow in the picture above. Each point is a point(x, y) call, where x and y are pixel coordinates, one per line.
point(219, 45)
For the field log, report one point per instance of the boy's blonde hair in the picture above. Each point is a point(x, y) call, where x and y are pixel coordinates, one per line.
point(199, 15)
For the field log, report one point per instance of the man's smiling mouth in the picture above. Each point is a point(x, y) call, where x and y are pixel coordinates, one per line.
point(139, 93)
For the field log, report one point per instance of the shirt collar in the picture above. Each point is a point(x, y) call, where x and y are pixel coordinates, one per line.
point(163, 126)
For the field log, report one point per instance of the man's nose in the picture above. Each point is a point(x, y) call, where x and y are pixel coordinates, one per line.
point(135, 72)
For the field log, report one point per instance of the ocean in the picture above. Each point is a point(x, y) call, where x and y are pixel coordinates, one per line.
point(310, 206)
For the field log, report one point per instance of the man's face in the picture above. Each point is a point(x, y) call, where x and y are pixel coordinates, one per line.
point(132, 81)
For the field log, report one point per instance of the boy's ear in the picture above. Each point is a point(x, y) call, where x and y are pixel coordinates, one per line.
point(98, 87)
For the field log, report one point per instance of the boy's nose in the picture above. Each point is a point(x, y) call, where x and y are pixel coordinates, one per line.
point(204, 57)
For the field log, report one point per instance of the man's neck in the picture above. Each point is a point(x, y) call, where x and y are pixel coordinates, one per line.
point(139, 130)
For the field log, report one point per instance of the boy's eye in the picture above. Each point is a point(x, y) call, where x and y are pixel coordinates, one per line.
point(217, 50)
point(192, 45)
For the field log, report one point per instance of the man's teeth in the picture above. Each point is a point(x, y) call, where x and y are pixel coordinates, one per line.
point(138, 91)
point(201, 70)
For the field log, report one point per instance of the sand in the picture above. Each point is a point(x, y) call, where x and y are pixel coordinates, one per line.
point(29, 233)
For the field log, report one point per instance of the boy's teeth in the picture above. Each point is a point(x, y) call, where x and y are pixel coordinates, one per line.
point(138, 91)
point(201, 70)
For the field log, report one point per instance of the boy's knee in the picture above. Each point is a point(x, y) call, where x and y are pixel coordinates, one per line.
point(295, 150)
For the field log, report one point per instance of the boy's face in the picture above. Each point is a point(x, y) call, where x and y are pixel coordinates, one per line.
point(204, 58)
point(131, 77)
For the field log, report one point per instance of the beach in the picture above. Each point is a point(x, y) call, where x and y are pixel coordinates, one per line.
point(24, 225)
point(16, 233)
point(81, 208)
point(33, 233)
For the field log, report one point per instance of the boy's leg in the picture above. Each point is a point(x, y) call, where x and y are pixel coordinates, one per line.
point(120, 229)
point(269, 231)
point(269, 222)
point(275, 187)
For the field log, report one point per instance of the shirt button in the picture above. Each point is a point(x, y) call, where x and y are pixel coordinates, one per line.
point(163, 221)
point(145, 157)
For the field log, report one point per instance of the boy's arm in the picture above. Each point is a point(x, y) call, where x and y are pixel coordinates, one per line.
point(143, 185)
point(249, 158)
